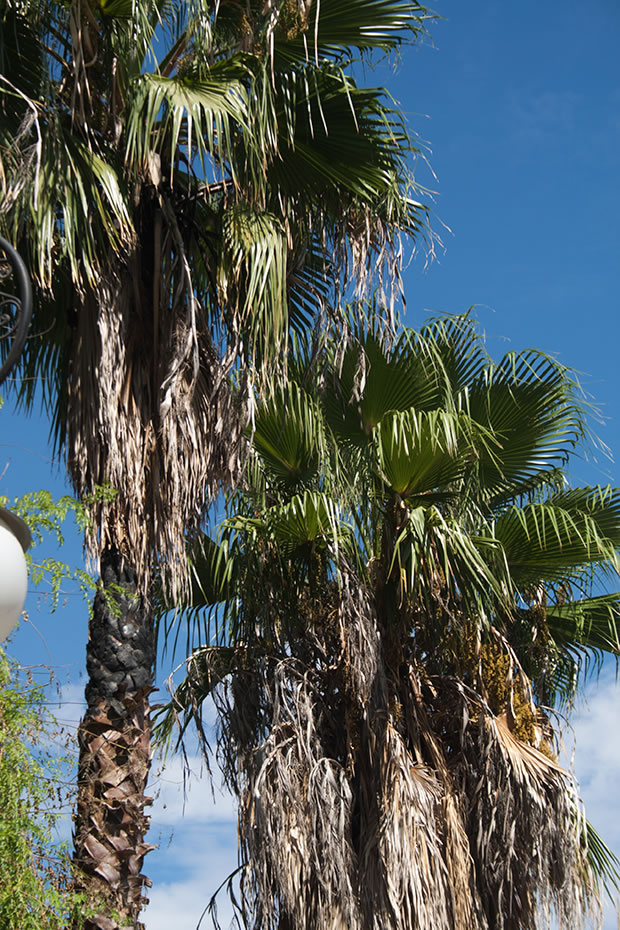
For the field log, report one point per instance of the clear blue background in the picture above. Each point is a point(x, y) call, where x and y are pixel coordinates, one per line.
point(520, 108)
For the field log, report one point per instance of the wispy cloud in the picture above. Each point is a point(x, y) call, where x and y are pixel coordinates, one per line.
point(188, 797)
point(196, 833)
point(535, 118)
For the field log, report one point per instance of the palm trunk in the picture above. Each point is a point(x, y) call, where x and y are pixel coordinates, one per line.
point(114, 752)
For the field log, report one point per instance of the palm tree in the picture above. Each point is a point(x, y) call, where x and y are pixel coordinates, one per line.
point(396, 610)
point(192, 182)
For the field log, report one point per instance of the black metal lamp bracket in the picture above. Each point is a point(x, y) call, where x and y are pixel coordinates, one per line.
point(15, 309)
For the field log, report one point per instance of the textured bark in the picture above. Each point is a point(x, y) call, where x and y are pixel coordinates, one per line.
point(114, 745)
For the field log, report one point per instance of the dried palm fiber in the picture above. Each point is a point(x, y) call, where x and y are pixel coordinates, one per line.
point(374, 795)
point(152, 424)
point(338, 821)
point(463, 901)
point(522, 818)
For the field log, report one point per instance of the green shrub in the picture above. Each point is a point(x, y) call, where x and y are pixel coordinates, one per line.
point(35, 885)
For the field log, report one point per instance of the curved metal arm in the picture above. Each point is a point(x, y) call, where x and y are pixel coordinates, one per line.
point(23, 303)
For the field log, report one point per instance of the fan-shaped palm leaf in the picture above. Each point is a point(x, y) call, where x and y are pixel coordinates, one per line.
point(196, 116)
point(334, 28)
point(528, 402)
point(559, 537)
point(423, 452)
point(289, 435)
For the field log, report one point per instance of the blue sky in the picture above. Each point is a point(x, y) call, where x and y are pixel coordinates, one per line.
point(520, 109)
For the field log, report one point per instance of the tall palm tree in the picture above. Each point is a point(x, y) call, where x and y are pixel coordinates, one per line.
point(397, 608)
point(191, 181)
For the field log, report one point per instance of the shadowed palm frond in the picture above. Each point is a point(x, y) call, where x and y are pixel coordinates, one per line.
point(289, 436)
point(529, 402)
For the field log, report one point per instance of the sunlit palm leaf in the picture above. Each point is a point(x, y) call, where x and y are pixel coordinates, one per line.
point(82, 211)
point(252, 275)
point(332, 26)
point(593, 622)
point(433, 550)
point(561, 536)
point(311, 517)
point(214, 580)
point(420, 452)
point(603, 862)
point(203, 117)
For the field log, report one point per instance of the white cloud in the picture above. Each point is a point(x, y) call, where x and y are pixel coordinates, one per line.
point(597, 765)
point(194, 824)
point(188, 797)
point(597, 760)
point(180, 905)
point(187, 870)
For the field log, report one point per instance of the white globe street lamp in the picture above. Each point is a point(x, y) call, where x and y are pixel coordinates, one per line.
point(15, 539)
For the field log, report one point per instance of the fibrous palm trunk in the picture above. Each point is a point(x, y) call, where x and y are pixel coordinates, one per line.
point(114, 751)
point(151, 422)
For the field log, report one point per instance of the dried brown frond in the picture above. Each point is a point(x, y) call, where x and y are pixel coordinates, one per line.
point(376, 797)
point(149, 438)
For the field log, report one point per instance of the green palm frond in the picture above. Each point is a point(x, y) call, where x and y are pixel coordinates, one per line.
point(528, 402)
point(558, 538)
point(458, 356)
point(588, 623)
point(215, 569)
point(308, 276)
point(252, 275)
point(421, 452)
point(308, 518)
point(317, 121)
point(567, 638)
point(202, 117)
point(289, 436)
point(22, 70)
point(206, 668)
point(434, 550)
point(603, 862)
point(334, 28)
point(368, 384)
point(81, 210)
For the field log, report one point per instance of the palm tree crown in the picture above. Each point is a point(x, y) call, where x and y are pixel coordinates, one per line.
point(186, 179)
point(399, 604)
